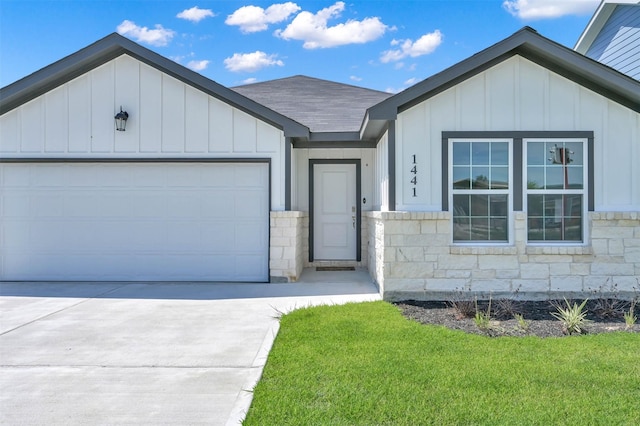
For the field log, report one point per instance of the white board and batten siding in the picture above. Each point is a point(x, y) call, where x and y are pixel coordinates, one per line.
point(519, 95)
point(168, 119)
point(192, 219)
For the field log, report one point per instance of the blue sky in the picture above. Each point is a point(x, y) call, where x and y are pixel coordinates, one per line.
point(383, 45)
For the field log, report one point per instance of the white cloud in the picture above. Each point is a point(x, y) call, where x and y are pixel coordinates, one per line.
point(407, 48)
point(249, 80)
point(195, 14)
point(159, 36)
point(314, 31)
point(251, 62)
point(411, 81)
point(549, 9)
point(252, 19)
point(355, 78)
point(198, 65)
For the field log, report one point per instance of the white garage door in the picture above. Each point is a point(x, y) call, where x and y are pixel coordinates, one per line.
point(134, 221)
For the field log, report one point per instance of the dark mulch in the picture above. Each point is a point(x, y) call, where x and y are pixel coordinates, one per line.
point(605, 316)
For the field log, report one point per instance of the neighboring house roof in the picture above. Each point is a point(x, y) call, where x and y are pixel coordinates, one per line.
point(323, 106)
point(115, 45)
point(613, 36)
point(528, 44)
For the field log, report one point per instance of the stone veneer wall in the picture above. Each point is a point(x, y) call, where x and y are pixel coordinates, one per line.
point(285, 245)
point(411, 256)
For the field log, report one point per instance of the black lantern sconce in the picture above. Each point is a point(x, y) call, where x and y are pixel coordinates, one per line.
point(121, 120)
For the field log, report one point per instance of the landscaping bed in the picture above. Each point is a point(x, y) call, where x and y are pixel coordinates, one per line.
point(602, 315)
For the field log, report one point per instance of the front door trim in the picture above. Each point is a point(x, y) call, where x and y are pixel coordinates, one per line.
point(312, 163)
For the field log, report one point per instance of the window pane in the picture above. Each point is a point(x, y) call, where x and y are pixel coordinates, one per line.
point(461, 205)
point(534, 205)
point(480, 229)
point(480, 178)
point(461, 229)
point(573, 205)
point(461, 153)
point(462, 177)
point(535, 177)
point(555, 177)
point(500, 178)
point(552, 207)
point(572, 229)
point(498, 229)
point(500, 154)
point(536, 155)
point(575, 150)
point(536, 229)
point(479, 205)
point(480, 153)
point(574, 177)
point(498, 205)
point(560, 218)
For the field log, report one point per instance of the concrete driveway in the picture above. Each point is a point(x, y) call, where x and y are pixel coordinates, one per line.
point(146, 353)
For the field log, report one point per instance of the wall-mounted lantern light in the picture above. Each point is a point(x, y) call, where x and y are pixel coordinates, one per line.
point(121, 120)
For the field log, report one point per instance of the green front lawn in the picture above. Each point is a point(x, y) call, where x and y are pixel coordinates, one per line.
point(365, 364)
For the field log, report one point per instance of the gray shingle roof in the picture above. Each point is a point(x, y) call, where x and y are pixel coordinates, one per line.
point(321, 105)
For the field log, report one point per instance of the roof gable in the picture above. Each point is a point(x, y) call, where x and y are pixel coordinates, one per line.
point(321, 105)
point(115, 45)
point(526, 43)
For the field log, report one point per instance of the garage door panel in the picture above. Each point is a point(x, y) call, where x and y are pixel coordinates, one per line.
point(46, 206)
point(14, 176)
point(249, 236)
point(15, 205)
point(135, 222)
point(247, 203)
point(152, 206)
point(218, 236)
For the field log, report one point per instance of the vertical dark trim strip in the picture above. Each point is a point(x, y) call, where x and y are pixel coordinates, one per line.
point(287, 174)
point(391, 159)
point(311, 207)
point(516, 175)
point(358, 212)
point(269, 225)
point(445, 173)
point(590, 174)
point(358, 202)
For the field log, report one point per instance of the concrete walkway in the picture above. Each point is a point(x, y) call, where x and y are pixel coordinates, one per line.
point(146, 353)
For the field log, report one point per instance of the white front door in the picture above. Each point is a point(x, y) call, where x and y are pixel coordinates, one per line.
point(335, 218)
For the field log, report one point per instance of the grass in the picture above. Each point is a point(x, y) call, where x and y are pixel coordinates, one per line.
point(365, 364)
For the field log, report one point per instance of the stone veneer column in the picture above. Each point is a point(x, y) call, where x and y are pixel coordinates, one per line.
point(285, 245)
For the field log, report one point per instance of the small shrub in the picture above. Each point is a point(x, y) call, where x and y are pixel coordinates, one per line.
point(573, 318)
point(483, 318)
point(629, 317)
point(608, 304)
point(507, 308)
point(464, 306)
point(523, 324)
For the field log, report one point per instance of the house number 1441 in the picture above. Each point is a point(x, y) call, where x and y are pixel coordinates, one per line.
point(414, 173)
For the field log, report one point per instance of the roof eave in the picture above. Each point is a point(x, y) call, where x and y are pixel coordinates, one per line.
point(115, 45)
point(529, 44)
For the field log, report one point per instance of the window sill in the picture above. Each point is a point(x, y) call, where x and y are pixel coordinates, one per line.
point(560, 249)
point(498, 250)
